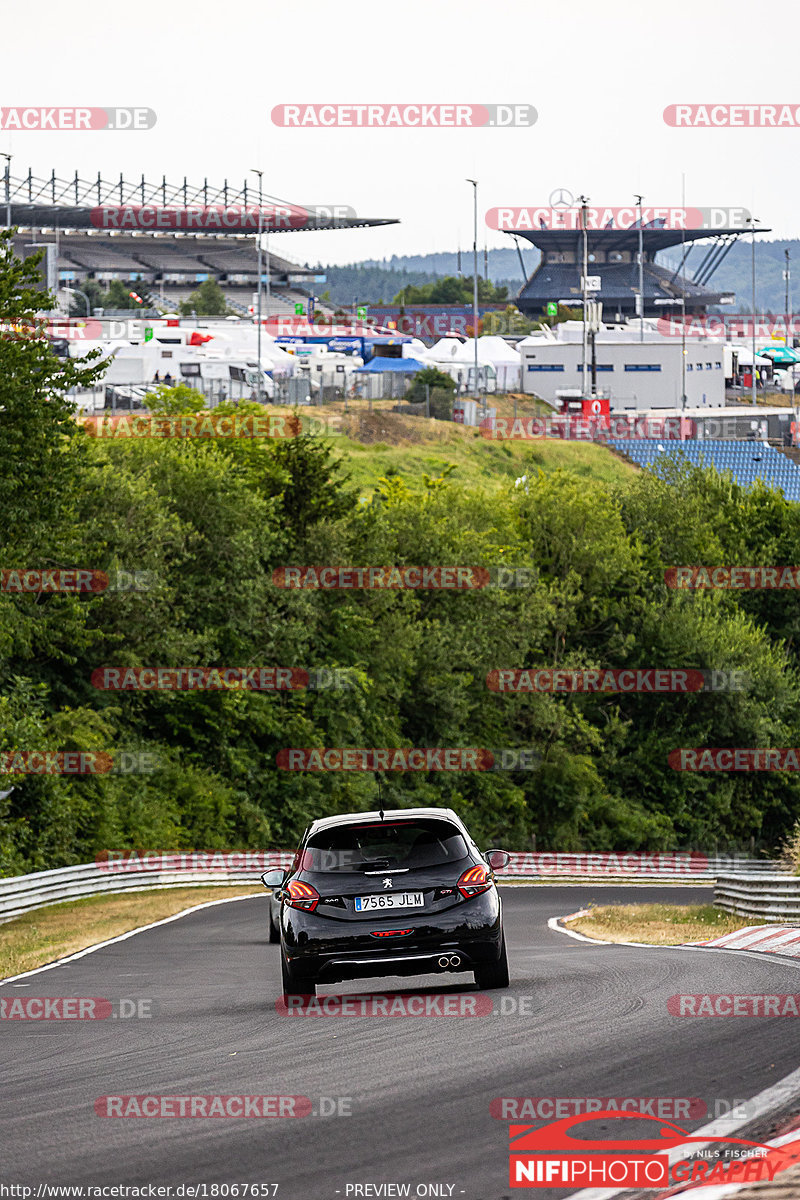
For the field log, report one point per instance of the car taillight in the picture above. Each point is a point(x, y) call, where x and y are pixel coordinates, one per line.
point(302, 895)
point(474, 881)
point(391, 932)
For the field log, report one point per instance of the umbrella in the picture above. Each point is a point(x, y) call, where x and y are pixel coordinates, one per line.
point(780, 354)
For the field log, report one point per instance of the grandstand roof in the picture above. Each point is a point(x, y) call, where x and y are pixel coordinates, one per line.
point(610, 240)
point(227, 220)
point(158, 205)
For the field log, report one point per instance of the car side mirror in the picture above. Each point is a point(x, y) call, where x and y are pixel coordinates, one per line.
point(497, 859)
point(273, 878)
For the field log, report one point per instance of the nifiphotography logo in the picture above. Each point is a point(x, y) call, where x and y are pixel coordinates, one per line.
point(554, 1156)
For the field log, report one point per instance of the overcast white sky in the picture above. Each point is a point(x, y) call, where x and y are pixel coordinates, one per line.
point(599, 74)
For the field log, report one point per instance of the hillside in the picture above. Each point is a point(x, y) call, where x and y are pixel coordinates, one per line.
point(382, 443)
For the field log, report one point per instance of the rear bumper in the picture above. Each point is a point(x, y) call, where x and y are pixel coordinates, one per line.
point(459, 939)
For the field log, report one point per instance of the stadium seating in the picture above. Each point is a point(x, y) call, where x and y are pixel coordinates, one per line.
point(745, 461)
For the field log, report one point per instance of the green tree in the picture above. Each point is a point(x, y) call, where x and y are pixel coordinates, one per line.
point(207, 301)
point(39, 441)
point(118, 296)
point(452, 289)
point(437, 386)
point(93, 292)
point(511, 321)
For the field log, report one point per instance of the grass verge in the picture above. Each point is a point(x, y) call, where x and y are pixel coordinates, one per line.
point(378, 442)
point(658, 924)
point(46, 934)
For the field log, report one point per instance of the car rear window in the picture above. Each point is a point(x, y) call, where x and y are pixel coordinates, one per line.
point(384, 845)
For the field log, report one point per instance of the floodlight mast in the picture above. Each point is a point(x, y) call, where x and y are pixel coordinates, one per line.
point(641, 272)
point(8, 158)
point(583, 202)
point(474, 183)
point(260, 220)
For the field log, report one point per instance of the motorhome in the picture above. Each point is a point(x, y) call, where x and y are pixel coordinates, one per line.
point(324, 367)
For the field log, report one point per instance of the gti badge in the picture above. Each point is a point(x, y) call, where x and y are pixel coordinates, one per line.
point(387, 883)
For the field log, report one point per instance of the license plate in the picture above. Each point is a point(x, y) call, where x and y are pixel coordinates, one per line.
point(394, 900)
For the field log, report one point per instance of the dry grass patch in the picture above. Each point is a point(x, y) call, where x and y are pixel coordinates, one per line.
point(46, 934)
point(658, 924)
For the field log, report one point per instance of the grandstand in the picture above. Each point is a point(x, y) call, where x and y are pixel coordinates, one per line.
point(170, 268)
point(746, 461)
point(613, 258)
point(104, 230)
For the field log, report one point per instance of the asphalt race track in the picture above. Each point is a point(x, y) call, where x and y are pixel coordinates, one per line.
point(419, 1089)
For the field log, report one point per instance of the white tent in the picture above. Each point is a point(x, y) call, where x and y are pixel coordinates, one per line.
point(745, 356)
point(445, 349)
point(457, 359)
point(505, 358)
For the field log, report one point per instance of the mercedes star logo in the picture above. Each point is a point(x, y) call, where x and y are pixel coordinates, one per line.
point(561, 198)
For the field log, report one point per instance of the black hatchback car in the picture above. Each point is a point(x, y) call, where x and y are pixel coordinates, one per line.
point(404, 892)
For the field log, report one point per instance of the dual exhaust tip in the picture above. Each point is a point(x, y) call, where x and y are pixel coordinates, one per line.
point(450, 962)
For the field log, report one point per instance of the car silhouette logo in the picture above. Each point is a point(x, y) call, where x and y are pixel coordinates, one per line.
point(561, 198)
point(556, 1137)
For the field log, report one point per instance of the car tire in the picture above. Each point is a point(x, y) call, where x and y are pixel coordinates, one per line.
point(494, 975)
point(291, 985)
point(274, 932)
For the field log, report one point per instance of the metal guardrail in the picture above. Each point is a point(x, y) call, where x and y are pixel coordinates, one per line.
point(20, 894)
point(23, 893)
point(770, 897)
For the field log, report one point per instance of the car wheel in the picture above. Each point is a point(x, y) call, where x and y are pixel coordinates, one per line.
point(274, 932)
point(494, 975)
point(291, 985)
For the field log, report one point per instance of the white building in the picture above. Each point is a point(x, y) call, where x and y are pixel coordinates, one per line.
point(635, 374)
